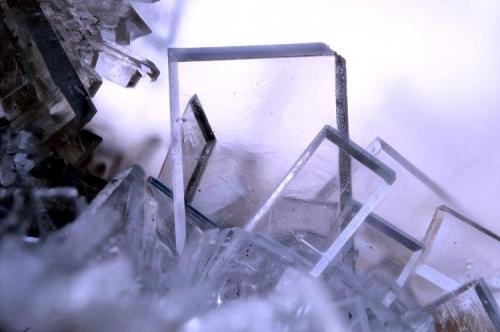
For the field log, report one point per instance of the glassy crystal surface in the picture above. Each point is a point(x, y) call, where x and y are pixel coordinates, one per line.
point(403, 313)
point(457, 251)
point(379, 245)
point(312, 209)
point(94, 33)
point(122, 220)
point(383, 256)
point(415, 194)
point(197, 146)
point(236, 264)
point(119, 22)
point(261, 123)
point(304, 307)
point(165, 213)
point(43, 92)
point(469, 308)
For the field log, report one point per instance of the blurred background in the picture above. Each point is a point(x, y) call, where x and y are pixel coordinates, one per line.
point(422, 75)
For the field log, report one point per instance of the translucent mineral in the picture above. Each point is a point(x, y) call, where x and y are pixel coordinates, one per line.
point(248, 227)
point(50, 51)
point(379, 249)
point(197, 146)
point(312, 209)
point(235, 264)
point(472, 307)
point(303, 307)
point(458, 251)
point(94, 33)
point(42, 92)
point(262, 123)
point(415, 194)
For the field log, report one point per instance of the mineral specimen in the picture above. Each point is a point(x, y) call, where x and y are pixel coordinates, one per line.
point(261, 123)
point(237, 234)
point(469, 308)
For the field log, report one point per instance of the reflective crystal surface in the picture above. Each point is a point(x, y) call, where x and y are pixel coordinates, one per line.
point(312, 209)
point(469, 308)
point(42, 92)
point(415, 194)
point(383, 257)
point(452, 257)
point(265, 215)
point(236, 264)
point(94, 33)
point(261, 123)
point(197, 146)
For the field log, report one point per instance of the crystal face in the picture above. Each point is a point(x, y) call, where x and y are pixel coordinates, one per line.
point(236, 264)
point(275, 224)
point(469, 308)
point(451, 259)
point(311, 210)
point(197, 146)
point(44, 83)
point(416, 195)
point(258, 134)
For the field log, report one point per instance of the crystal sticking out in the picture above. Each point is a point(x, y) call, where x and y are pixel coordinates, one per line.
point(308, 210)
point(236, 264)
point(415, 194)
point(451, 259)
point(258, 134)
point(198, 142)
point(469, 308)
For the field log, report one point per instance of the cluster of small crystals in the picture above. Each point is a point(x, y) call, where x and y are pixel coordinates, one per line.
point(54, 53)
point(52, 57)
point(80, 253)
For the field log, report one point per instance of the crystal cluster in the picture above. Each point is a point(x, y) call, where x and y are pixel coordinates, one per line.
point(266, 216)
point(51, 59)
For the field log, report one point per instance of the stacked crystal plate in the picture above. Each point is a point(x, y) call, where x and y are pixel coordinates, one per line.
point(264, 217)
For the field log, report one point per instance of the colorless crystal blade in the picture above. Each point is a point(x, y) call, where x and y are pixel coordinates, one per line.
point(197, 145)
point(261, 123)
point(194, 217)
point(119, 22)
point(308, 210)
point(236, 264)
point(376, 248)
point(415, 194)
point(472, 307)
point(89, 29)
point(458, 251)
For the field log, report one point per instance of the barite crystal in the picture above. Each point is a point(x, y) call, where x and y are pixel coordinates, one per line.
point(416, 195)
point(44, 93)
point(94, 34)
point(261, 123)
point(300, 308)
point(452, 257)
point(312, 208)
point(197, 146)
point(472, 307)
point(377, 249)
point(248, 226)
point(235, 264)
